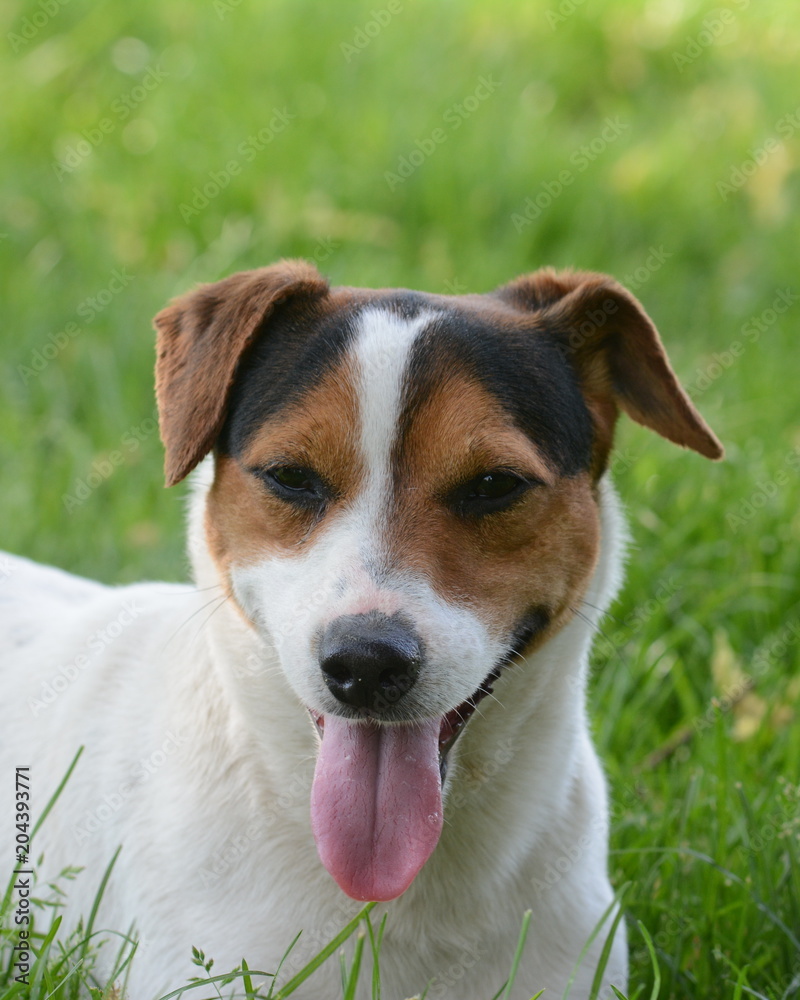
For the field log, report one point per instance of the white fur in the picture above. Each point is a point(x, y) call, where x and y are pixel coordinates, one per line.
point(382, 349)
point(205, 782)
point(200, 754)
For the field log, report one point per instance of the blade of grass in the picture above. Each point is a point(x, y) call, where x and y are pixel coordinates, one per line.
point(523, 934)
point(740, 983)
point(128, 939)
point(247, 981)
point(280, 965)
point(54, 797)
point(355, 968)
point(40, 975)
point(224, 978)
point(375, 944)
point(605, 953)
point(590, 941)
point(98, 897)
point(323, 956)
point(654, 961)
point(60, 984)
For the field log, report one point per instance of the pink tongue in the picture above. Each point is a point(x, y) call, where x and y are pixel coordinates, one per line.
point(376, 804)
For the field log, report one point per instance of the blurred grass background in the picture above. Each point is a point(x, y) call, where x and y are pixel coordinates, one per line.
point(673, 130)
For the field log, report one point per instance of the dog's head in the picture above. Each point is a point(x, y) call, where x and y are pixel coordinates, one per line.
point(405, 499)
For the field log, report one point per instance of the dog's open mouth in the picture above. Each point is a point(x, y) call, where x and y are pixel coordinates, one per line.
point(451, 725)
point(376, 801)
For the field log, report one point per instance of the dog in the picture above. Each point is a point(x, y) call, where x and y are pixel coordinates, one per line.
point(375, 687)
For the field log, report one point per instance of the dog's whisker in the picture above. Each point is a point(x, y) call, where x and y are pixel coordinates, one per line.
point(222, 601)
point(614, 652)
point(220, 597)
point(584, 617)
point(604, 612)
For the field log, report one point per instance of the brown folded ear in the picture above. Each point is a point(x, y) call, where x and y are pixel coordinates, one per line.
point(605, 333)
point(201, 337)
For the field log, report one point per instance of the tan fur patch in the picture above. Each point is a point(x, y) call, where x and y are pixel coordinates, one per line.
point(540, 552)
point(245, 521)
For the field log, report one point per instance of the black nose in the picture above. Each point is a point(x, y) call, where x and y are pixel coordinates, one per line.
point(370, 661)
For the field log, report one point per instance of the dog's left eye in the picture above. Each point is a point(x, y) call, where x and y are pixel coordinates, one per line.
point(493, 486)
point(487, 493)
point(294, 483)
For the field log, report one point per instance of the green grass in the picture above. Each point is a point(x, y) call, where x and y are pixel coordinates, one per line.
point(696, 682)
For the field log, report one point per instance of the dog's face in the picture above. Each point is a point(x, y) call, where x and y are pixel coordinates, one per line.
point(404, 501)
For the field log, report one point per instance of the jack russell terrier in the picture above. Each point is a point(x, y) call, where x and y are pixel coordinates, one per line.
point(375, 687)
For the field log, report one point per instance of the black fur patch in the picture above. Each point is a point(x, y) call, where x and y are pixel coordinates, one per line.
point(522, 367)
point(518, 363)
point(536, 620)
point(299, 343)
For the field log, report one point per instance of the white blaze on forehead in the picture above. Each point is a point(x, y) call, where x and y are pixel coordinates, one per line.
point(382, 353)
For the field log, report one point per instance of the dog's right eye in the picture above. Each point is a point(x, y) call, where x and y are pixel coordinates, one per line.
point(295, 484)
